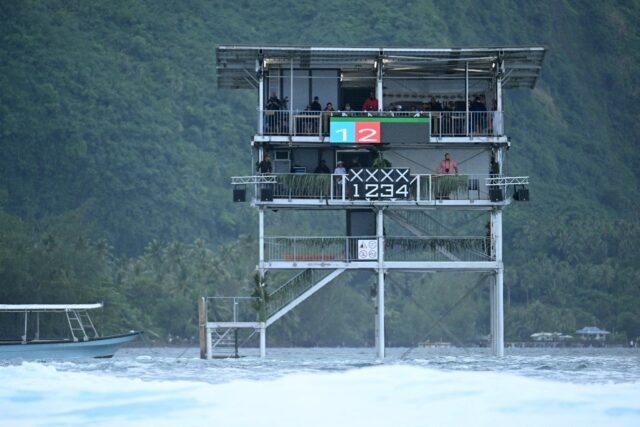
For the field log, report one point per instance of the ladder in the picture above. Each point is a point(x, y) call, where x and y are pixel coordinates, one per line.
point(225, 342)
point(87, 322)
point(76, 325)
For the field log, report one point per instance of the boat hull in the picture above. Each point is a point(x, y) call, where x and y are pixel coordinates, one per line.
point(96, 347)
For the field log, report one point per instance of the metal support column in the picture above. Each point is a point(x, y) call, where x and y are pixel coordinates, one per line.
point(263, 328)
point(263, 340)
point(499, 313)
point(379, 91)
point(466, 96)
point(498, 309)
point(380, 293)
point(499, 73)
point(261, 242)
point(260, 72)
point(498, 121)
point(291, 122)
point(492, 308)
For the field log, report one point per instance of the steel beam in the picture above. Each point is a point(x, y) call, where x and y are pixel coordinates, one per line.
point(263, 340)
point(498, 310)
point(380, 293)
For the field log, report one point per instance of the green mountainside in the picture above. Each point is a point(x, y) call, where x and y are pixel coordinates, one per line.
point(117, 148)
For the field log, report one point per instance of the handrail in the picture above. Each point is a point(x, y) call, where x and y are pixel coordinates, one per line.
point(234, 308)
point(397, 248)
point(422, 187)
point(292, 289)
point(443, 123)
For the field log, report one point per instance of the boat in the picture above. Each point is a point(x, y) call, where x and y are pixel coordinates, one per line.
point(82, 342)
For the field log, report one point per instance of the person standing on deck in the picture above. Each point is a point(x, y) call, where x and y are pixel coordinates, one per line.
point(265, 165)
point(371, 103)
point(447, 165)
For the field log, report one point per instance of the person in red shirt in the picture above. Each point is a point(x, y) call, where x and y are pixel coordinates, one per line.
point(371, 103)
point(448, 166)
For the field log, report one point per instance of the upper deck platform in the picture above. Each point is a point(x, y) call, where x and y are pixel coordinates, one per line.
point(302, 90)
point(388, 188)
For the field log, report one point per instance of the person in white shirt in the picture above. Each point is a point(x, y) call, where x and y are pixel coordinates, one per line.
point(340, 170)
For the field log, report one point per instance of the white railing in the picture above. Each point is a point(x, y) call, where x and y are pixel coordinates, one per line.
point(335, 187)
point(438, 248)
point(443, 123)
point(458, 123)
point(232, 309)
point(311, 248)
point(403, 248)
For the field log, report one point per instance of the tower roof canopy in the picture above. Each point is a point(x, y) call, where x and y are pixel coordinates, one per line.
point(237, 66)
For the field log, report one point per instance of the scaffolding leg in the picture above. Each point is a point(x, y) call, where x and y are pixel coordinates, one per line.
point(497, 286)
point(380, 315)
point(499, 314)
point(263, 341)
point(380, 293)
point(492, 309)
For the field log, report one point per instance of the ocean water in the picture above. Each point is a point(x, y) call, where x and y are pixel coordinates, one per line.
point(328, 387)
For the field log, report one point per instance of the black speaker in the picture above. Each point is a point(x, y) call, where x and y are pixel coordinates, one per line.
point(239, 194)
point(521, 194)
point(266, 194)
point(495, 194)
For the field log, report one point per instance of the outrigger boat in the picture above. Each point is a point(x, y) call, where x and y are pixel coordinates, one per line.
point(84, 340)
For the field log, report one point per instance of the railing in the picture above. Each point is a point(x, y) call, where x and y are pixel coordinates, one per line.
point(446, 248)
point(443, 123)
point(303, 186)
point(325, 249)
point(232, 309)
point(422, 188)
point(311, 248)
point(292, 289)
point(302, 123)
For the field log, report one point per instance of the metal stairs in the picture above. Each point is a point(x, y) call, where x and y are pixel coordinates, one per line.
point(420, 223)
point(296, 290)
point(223, 338)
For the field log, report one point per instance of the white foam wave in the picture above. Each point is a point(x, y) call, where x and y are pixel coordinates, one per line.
point(33, 394)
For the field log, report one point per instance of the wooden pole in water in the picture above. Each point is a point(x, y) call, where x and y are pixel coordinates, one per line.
point(202, 322)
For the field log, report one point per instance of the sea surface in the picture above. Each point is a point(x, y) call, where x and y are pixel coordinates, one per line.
point(328, 387)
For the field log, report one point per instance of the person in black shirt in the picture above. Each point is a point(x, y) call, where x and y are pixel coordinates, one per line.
point(322, 168)
point(315, 105)
point(265, 165)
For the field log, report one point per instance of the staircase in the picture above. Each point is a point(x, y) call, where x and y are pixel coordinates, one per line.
point(293, 288)
point(420, 223)
point(297, 289)
point(224, 335)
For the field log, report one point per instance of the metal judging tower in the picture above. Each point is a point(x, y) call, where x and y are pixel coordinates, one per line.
point(390, 136)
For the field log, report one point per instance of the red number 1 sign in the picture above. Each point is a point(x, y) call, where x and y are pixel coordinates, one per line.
point(367, 132)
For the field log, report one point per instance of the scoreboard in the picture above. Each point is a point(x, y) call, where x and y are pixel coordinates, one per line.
point(376, 130)
point(373, 183)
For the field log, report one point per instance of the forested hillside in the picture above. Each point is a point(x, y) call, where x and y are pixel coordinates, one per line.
point(117, 148)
